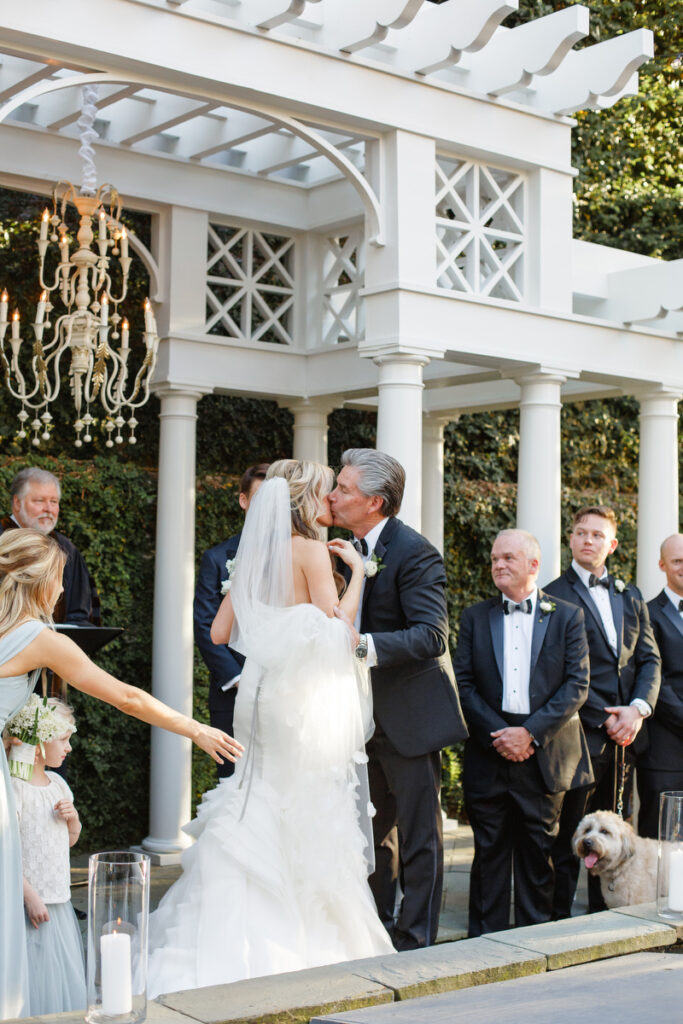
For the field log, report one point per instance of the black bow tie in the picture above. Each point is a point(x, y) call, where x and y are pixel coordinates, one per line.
point(360, 546)
point(510, 606)
point(594, 581)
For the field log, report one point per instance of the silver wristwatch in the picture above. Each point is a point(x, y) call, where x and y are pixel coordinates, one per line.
point(362, 646)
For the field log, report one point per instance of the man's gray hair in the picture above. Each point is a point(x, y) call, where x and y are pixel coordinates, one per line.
point(32, 475)
point(530, 546)
point(379, 474)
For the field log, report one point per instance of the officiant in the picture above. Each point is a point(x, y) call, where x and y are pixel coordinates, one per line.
point(35, 501)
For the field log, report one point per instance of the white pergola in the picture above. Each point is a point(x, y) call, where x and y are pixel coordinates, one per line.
point(355, 202)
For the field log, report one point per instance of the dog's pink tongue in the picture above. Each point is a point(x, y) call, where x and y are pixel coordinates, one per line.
point(590, 860)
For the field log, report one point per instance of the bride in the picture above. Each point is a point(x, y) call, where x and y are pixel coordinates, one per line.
point(277, 880)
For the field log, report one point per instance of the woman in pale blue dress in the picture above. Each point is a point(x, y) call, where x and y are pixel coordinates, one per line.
point(31, 567)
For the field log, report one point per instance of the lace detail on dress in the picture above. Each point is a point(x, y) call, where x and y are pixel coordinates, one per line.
point(44, 837)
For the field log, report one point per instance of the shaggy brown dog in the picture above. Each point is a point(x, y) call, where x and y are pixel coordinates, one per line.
point(626, 863)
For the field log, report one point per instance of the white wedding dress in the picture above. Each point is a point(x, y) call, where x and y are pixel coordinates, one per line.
point(277, 880)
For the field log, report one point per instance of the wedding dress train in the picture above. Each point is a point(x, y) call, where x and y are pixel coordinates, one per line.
point(277, 880)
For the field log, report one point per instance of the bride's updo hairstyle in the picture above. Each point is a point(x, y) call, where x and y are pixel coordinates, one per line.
point(30, 562)
point(309, 484)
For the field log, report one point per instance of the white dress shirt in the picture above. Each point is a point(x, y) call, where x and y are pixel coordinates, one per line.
point(674, 598)
point(371, 538)
point(518, 630)
point(600, 598)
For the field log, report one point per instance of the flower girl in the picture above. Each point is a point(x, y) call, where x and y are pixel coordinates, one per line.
point(49, 826)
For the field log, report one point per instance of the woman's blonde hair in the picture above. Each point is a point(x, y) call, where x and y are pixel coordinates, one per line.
point(309, 483)
point(30, 562)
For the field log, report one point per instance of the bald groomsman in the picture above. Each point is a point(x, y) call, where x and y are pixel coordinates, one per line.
point(660, 768)
point(521, 666)
point(624, 681)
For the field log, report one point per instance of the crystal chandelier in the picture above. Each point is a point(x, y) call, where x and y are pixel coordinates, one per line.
point(90, 339)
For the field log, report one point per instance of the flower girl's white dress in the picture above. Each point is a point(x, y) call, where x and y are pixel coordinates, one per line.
point(277, 880)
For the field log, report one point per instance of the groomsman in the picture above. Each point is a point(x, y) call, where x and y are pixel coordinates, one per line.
point(403, 626)
point(660, 768)
point(522, 669)
point(224, 664)
point(624, 682)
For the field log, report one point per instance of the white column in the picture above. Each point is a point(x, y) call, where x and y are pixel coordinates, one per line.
point(399, 425)
point(310, 430)
point(657, 483)
point(539, 472)
point(433, 478)
point(172, 644)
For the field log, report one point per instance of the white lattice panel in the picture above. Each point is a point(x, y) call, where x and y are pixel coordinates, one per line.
point(480, 232)
point(343, 278)
point(249, 284)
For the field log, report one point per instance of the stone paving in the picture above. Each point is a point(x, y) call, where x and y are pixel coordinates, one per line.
point(545, 973)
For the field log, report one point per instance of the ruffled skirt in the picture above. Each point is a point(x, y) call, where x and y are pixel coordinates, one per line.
point(56, 965)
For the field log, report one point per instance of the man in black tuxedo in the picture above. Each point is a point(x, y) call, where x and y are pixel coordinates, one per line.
point(36, 494)
point(660, 767)
point(213, 581)
point(624, 681)
point(403, 626)
point(522, 669)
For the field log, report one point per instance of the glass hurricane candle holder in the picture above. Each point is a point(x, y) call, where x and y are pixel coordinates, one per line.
point(118, 913)
point(670, 861)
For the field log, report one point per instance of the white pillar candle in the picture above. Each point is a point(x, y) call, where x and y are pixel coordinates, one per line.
point(103, 226)
point(104, 310)
point(15, 323)
point(4, 299)
point(676, 880)
point(117, 988)
point(43, 225)
point(124, 243)
point(125, 331)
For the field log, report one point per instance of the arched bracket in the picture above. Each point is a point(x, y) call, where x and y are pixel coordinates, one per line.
point(371, 203)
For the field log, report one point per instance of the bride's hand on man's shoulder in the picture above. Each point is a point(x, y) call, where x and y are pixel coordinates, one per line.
point(218, 744)
point(345, 550)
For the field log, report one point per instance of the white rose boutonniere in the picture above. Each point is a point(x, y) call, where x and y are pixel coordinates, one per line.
point(547, 606)
point(373, 566)
point(225, 584)
point(619, 586)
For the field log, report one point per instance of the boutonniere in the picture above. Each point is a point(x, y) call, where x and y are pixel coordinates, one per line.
point(547, 606)
point(619, 586)
point(373, 566)
point(225, 584)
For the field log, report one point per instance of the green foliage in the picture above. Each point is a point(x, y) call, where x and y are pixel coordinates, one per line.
point(629, 190)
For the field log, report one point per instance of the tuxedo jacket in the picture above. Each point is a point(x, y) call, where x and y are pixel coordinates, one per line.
point(615, 679)
point(222, 662)
point(404, 608)
point(665, 729)
point(558, 687)
point(79, 603)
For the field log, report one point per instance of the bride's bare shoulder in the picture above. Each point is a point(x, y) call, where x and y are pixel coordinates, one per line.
point(306, 551)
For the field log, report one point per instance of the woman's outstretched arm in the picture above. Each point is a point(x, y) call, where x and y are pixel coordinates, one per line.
point(64, 657)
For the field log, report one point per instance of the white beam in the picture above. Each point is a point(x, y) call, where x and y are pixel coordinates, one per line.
point(350, 27)
point(441, 33)
point(171, 122)
point(514, 56)
point(586, 77)
point(17, 86)
point(645, 293)
point(115, 96)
